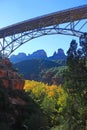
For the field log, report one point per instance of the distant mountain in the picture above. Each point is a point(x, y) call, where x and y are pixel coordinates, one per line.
point(60, 55)
point(17, 58)
point(31, 69)
point(47, 71)
point(39, 54)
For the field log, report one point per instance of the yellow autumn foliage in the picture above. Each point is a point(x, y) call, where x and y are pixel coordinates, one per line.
point(50, 90)
point(39, 87)
point(39, 90)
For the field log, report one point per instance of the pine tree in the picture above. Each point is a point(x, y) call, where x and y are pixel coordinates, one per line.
point(76, 85)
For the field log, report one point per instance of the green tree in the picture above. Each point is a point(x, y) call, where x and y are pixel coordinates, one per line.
point(76, 86)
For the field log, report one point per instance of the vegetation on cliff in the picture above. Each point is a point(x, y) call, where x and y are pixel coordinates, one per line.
point(42, 70)
point(18, 111)
point(49, 106)
point(65, 106)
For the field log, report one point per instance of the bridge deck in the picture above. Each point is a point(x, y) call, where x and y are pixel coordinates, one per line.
point(59, 17)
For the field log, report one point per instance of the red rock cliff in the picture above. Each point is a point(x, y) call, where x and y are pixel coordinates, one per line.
point(8, 76)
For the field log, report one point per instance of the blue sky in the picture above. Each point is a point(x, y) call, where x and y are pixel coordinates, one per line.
point(13, 11)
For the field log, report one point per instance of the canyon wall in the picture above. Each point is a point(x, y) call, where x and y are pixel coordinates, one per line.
point(9, 76)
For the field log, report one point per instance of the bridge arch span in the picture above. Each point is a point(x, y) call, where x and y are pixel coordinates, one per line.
point(10, 44)
point(71, 22)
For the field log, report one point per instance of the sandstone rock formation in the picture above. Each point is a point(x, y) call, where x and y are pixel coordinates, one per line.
point(8, 76)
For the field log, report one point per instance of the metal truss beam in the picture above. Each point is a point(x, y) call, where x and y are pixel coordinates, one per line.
point(59, 17)
point(9, 44)
point(12, 38)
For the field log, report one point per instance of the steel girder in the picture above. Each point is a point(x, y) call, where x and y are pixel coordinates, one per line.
point(9, 44)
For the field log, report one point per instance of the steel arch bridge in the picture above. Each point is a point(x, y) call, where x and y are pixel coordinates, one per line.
point(71, 21)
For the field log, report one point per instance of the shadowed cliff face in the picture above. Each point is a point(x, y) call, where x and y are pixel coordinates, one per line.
point(8, 76)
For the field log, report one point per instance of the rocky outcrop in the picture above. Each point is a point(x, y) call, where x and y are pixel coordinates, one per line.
point(39, 54)
point(8, 76)
point(59, 55)
point(17, 58)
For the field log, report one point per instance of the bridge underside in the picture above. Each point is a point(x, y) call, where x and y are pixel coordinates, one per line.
point(68, 23)
point(9, 44)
